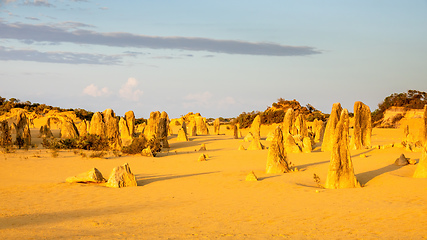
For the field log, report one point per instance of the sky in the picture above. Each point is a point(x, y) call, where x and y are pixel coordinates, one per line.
point(218, 58)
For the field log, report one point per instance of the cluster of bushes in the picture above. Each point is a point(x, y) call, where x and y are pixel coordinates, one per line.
point(87, 142)
point(277, 112)
point(7, 105)
point(412, 99)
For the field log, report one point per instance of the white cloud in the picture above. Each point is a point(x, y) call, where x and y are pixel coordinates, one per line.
point(129, 91)
point(94, 91)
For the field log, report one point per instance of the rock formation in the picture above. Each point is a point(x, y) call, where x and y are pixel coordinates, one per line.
point(82, 128)
point(290, 145)
point(276, 159)
point(202, 128)
point(288, 122)
point(202, 158)
point(341, 172)
point(241, 147)
point(91, 176)
point(202, 147)
point(125, 134)
point(423, 130)
point(68, 128)
point(5, 135)
point(319, 130)
point(256, 127)
point(249, 137)
point(148, 152)
point(130, 120)
point(421, 170)
point(182, 136)
point(330, 127)
point(192, 127)
point(256, 144)
point(97, 125)
point(251, 177)
point(112, 129)
point(22, 128)
point(362, 127)
point(401, 161)
point(45, 132)
point(307, 147)
point(121, 176)
point(235, 132)
point(301, 126)
point(217, 125)
point(150, 130)
point(163, 127)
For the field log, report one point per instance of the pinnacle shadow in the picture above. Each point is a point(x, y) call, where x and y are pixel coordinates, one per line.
point(365, 177)
point(147, 179)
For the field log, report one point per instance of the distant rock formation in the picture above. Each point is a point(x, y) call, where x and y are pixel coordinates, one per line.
point(301, 126)
point(288, 123)
point(333, 120)
point(97, 125)
point(249, 137)
point(5, 135)
point(421, 170)
point(125, 134)
point(290, 145)
point(112, 129)
point(241, 147)
point(150, 130)
point(341, 172)
point(276, 159)
point(68, 128)
point(91, 176)
point(256, 127)
point(121, 176)
point(82, 128)
point(130, 120)
point(235, 132)
point(163, 130)
point(423, 130)
point(319, 130)
point(202, 127)
point(307, 146)
point(192, 127)
point(217, 125)
point(22, 128)
point(362, 127)
point(182, 136)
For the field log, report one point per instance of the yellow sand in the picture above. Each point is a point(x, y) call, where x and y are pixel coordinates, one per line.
point(178, 197)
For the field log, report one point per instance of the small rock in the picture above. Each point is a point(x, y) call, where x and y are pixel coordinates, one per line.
point(91, 176)
point(251, 177)
point(202, 158)
point(401, 161)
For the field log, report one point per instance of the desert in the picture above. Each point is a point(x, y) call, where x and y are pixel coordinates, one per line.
point(228, 195)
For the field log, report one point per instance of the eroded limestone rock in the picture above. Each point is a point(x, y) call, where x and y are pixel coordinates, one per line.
point(217, 125)
point(121, 176)
point(97, 125)
point(182, 136)
point(362, 127)
point(251, 177)
point(91, 176)
point(341, 172)
point(277, 159)
point(421, 170)
point(68, 128)
point(290, 145)
point(333, 120)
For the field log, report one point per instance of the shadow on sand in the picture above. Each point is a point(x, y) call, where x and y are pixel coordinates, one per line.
point(147, 179)
point(368, 176)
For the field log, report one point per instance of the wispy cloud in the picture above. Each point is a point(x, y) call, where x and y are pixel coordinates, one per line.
point(129, 90)
point(207, 100)
point(38, 3)
point(11, 54)
point(32, 18)
point(95, 91)
point(55, 33)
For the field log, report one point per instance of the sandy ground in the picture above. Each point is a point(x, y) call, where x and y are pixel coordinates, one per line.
point(180, 198)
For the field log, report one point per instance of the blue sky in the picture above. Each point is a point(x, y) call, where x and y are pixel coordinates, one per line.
point(219, 58)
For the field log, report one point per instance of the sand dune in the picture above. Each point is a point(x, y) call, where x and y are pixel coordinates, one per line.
point(180, 198)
